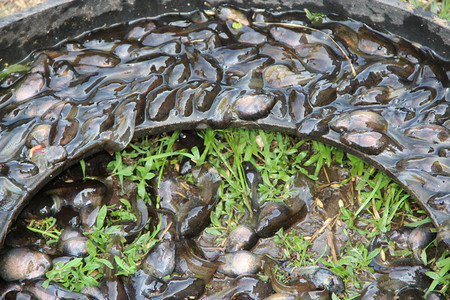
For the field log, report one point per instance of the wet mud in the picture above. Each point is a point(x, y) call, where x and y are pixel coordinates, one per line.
point(223, 69)
point(376, 96)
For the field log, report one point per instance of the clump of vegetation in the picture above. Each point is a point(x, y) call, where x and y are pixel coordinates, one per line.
point(47, 228)
point(295, 248)
point(441, 274)
point(89, 270)
point(379, 204)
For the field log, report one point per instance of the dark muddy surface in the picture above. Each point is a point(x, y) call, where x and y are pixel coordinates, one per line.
point(224, 69)
point(376, 96)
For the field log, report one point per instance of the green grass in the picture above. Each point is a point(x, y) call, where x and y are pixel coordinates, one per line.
point(353, 266)
point(382, 203)
point(295, 248)
point(47, 228)
point(89, 270)
point(378, 203)
point(440, 8)
point(441, 274)
point(276, 156)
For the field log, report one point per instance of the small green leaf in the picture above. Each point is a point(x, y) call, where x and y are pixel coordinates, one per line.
point(91, 248)
point(105, 262)
point(433, 275)
point(13, 69)
point(101, 216)
point(195, 153)
point(314, 18)
point(374, 253)
point(309, 15)
point(122, 265)
point(83, 167)
point(418, 223)
point(424, 258)
point(236, 25)
point(125, 172)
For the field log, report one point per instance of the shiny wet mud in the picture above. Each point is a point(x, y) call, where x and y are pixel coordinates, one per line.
point(374, 95)
point(222, 69)
point(379, 97)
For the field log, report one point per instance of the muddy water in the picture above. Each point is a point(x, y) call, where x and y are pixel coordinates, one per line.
point(387, 103)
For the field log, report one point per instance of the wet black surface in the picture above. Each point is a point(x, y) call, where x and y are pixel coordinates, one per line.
point(229, 69)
